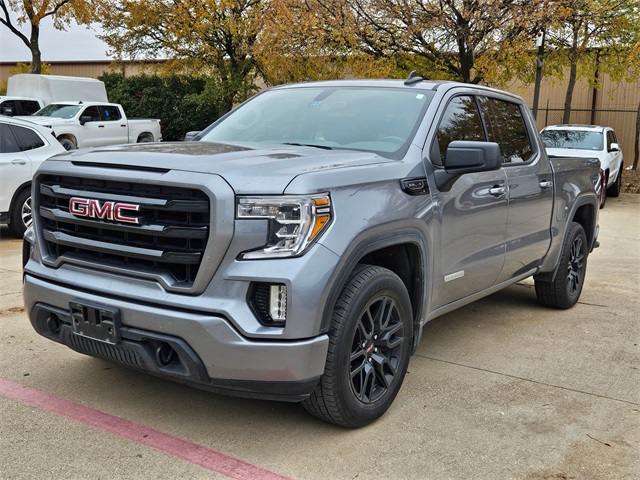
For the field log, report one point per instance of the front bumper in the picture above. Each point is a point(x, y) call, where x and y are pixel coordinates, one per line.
point(187, 346)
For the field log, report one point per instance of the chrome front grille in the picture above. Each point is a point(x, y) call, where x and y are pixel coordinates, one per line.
point(168, 242)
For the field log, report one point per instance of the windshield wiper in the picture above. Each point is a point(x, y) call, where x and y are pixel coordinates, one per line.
point(323, 147)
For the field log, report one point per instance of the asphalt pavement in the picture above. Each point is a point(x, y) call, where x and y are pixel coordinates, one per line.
point(500, 389)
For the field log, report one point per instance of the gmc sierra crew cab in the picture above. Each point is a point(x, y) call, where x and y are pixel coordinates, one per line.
point(297, 248)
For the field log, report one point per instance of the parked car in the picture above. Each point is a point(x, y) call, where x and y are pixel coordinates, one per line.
point(94, 124)
point(588, 141)
point(23, 147)
point(15, 106)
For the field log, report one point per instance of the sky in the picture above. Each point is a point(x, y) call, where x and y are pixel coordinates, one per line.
point(76, 43)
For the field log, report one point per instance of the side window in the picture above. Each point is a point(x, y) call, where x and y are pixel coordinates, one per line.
point(29, 107)
point(91, 112)
point(610, 139)
point(110, 113)
point(8, 142)
point(506, 127)
point(460, 121)
point(27, 138)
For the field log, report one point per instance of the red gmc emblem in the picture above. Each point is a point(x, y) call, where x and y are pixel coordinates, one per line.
point(88, 207)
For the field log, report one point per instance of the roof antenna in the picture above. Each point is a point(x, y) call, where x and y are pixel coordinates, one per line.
point(413, 78)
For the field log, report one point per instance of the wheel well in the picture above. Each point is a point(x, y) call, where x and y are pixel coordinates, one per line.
point(19, 190)
point(585, 216)
point(68, 136)
point(144, 135)
point(405, 261)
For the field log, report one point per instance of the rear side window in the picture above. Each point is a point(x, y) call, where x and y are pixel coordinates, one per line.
point(506, 127)
point(460, 121)
point(8, 141)
point(111, 113)
point(29, 107)
point(27, 138)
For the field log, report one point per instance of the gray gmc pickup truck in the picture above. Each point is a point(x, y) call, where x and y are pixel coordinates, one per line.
point(297, 248)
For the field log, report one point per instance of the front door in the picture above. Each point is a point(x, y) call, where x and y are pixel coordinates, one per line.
point(472, 213)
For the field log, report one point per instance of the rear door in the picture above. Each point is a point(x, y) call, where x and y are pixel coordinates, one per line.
point(529, 185)
point(115, 127)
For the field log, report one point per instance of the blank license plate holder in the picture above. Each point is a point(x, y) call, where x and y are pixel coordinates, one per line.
point(98, 322)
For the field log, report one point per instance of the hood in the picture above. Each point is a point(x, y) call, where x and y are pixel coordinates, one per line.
point(574, 153)
point(44, 120)
point(248, 169)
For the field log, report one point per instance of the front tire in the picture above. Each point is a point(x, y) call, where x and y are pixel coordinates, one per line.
point(614, 190)
point(21, 213)
point(369, 348)
point(67, 143)
point(564, 291)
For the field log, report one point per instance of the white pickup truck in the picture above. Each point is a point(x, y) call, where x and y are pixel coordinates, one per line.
point(94, 124)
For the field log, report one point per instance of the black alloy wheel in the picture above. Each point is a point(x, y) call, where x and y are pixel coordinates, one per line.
point(370, 342)
point(565, 289)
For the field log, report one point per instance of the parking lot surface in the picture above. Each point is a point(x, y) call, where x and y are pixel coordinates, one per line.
point(501, 389)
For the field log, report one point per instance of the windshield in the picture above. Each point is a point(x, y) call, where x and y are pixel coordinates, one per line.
point(382, 120)
point(59, 111)
point(576, 139)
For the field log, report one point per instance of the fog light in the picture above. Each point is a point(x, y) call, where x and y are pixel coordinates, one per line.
point(278, 303)
point(269, 303)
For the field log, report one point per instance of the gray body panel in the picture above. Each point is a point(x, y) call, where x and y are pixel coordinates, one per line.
point(469, 241)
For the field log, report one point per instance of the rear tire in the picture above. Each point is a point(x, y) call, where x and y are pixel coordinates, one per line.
point(21, 214)
point(564, 291)
point(369, 347)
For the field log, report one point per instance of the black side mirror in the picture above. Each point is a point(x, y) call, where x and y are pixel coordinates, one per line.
point(468, 157)
point(85, 118)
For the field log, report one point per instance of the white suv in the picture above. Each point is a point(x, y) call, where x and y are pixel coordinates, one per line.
point(23, 147)
point(588, 141)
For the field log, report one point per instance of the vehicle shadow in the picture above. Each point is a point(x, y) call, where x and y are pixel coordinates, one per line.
point(6, 234)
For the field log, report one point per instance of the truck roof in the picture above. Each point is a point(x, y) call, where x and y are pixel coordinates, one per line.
point(412, 82)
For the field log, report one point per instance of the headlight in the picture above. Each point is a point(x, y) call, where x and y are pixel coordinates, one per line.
point(294, 222)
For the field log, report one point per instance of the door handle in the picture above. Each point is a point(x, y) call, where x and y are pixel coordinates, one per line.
point(18, 161)
point(123, 126)
point(100, 126)
point(498, 190)
point(544, 184)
